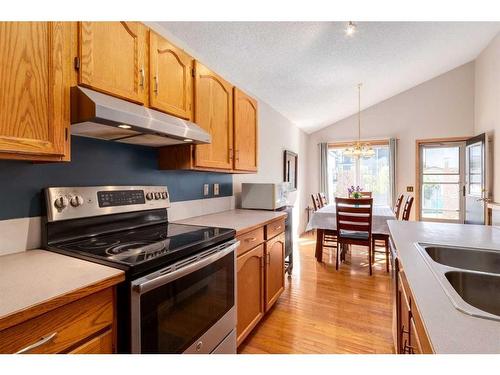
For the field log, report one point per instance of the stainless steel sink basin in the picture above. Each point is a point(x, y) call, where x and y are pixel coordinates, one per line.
point(477, 289)
point(470, 277)
point(465, 258)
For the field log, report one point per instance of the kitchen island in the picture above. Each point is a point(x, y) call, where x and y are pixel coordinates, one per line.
point(448, 329)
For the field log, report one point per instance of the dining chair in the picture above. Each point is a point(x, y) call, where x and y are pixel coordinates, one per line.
point(382, 240)
point(316, 202)
point(354, 225)
point(407, 208)
point(366, 194)
point(322, 198)
point(397, 207)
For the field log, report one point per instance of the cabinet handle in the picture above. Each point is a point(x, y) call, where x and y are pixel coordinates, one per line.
point(230, 154)
point(156, 85)
point(237, 155)
point(268, 258)
point(141, 73)
point(251, 239)
point(44, 340)
point(277, 228)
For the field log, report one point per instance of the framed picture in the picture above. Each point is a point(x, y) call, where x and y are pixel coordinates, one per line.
point(290, 165)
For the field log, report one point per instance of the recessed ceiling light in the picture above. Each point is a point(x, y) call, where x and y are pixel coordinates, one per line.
point(188, 140)
point(123, 126)
point(350, 28)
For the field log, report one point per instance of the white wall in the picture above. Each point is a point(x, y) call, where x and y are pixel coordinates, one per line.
point(487, 103)
point(440, 107)
point(276, 134)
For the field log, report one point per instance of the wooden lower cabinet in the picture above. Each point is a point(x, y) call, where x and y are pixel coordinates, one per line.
point(411, 335)
point(83, 326)
point(260, 276)
point(251, 306)
point(275, 269)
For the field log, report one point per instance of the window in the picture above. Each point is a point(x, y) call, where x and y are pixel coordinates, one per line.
point(441, 171)
point(371, 174)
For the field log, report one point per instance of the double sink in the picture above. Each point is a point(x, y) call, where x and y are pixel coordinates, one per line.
point(469, 276)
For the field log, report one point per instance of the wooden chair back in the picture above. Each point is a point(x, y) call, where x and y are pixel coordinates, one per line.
point(316, 202)
point(407, 208)
point(366, 194)
point(322, 199)
point(354, 215)
point(397, 207)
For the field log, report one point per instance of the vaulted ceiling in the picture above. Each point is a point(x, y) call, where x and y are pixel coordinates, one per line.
point(309, 71)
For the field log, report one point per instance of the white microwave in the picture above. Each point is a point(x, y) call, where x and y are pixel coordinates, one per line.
point(264, 196)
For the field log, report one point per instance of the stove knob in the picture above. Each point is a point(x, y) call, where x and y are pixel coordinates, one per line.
point(61, 203)
point(163, 195)
point(149, 196)
point(76, 201)
point(157, 195)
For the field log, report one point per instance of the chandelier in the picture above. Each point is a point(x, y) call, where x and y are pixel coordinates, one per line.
point(358, 149)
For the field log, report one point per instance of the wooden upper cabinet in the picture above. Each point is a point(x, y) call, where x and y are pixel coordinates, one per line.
point(171, 80)
point(245, 132)
point(113, 58)
point(275, 269)
point(214, 113)
point(34, 90)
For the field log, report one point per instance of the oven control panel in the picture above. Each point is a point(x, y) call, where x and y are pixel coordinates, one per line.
point(65, 203)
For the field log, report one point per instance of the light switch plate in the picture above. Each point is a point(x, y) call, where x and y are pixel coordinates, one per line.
point(206, 188)
point(216, 189)
point(409, 189)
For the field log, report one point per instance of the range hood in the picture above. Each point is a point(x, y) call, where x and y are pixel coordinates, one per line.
point(97, 115)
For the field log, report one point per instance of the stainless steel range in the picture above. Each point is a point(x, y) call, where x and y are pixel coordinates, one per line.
point(180, 290)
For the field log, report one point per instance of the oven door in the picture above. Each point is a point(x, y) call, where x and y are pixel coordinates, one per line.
point(188, 307)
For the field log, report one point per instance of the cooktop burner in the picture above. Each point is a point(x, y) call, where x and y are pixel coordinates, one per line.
point(135, 246)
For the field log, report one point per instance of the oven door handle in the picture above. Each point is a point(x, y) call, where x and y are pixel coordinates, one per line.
point(147, 285)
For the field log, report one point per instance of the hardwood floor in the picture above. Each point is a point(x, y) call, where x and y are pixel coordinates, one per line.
point(328, 311)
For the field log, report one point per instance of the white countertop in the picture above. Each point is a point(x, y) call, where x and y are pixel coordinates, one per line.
point(239, 220)
point(449, 330)
point(33, 277)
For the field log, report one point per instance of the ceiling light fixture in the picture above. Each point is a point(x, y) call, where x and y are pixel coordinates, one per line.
point(123, 126)
point(350, 28)
point(358, 149)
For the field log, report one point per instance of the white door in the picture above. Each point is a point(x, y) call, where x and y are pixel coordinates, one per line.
point(476, 194)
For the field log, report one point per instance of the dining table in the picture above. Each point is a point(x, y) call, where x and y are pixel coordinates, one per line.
point(325, 219)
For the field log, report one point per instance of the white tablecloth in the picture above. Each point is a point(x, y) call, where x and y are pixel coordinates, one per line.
point(326, 218)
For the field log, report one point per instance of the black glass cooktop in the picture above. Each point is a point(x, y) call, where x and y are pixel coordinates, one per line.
point(136, 246)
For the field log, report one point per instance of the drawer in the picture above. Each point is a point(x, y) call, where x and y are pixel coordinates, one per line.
point(250, 240)
point(275, 228)
point(102, 344)
point(62, 328)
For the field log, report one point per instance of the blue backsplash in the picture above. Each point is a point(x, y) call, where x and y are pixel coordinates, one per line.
point(93, 163)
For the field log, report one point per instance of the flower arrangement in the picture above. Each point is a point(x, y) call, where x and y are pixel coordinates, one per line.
point(355, 192)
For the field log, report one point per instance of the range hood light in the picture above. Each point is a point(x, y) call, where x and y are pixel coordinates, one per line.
point(123, 126)
point(188, 140)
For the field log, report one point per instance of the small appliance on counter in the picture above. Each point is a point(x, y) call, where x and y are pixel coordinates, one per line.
point(180, 290)
point(273, 197)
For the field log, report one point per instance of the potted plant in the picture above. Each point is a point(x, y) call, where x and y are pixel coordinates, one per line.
point(355, 192)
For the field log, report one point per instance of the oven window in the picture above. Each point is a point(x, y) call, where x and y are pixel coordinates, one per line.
point(174, 315)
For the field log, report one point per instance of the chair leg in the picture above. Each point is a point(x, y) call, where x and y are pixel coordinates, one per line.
point(370, 256)
point(386, 255)
point(337, 257)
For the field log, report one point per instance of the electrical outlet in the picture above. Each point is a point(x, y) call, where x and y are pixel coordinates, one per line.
point(409, 189)
point(206, 189)
point(216, 189)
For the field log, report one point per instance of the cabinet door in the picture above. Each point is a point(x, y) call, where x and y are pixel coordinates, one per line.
point(112, 58)
point(102, 344)
point(214, 113)
point(245, 132)
point(275, 269)
point(250, 281)
point(34, 89)
point(404, 318)
point(171, 88)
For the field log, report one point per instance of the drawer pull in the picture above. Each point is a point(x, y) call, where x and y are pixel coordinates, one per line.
point(44, 340)
point(251, 239)
point(277, 228)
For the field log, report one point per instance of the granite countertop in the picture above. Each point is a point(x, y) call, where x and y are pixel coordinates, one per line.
point(240, 220)
point(449, 330)
point(34, 278)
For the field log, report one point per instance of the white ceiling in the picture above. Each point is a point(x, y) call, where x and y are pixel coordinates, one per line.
point(309, 71)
